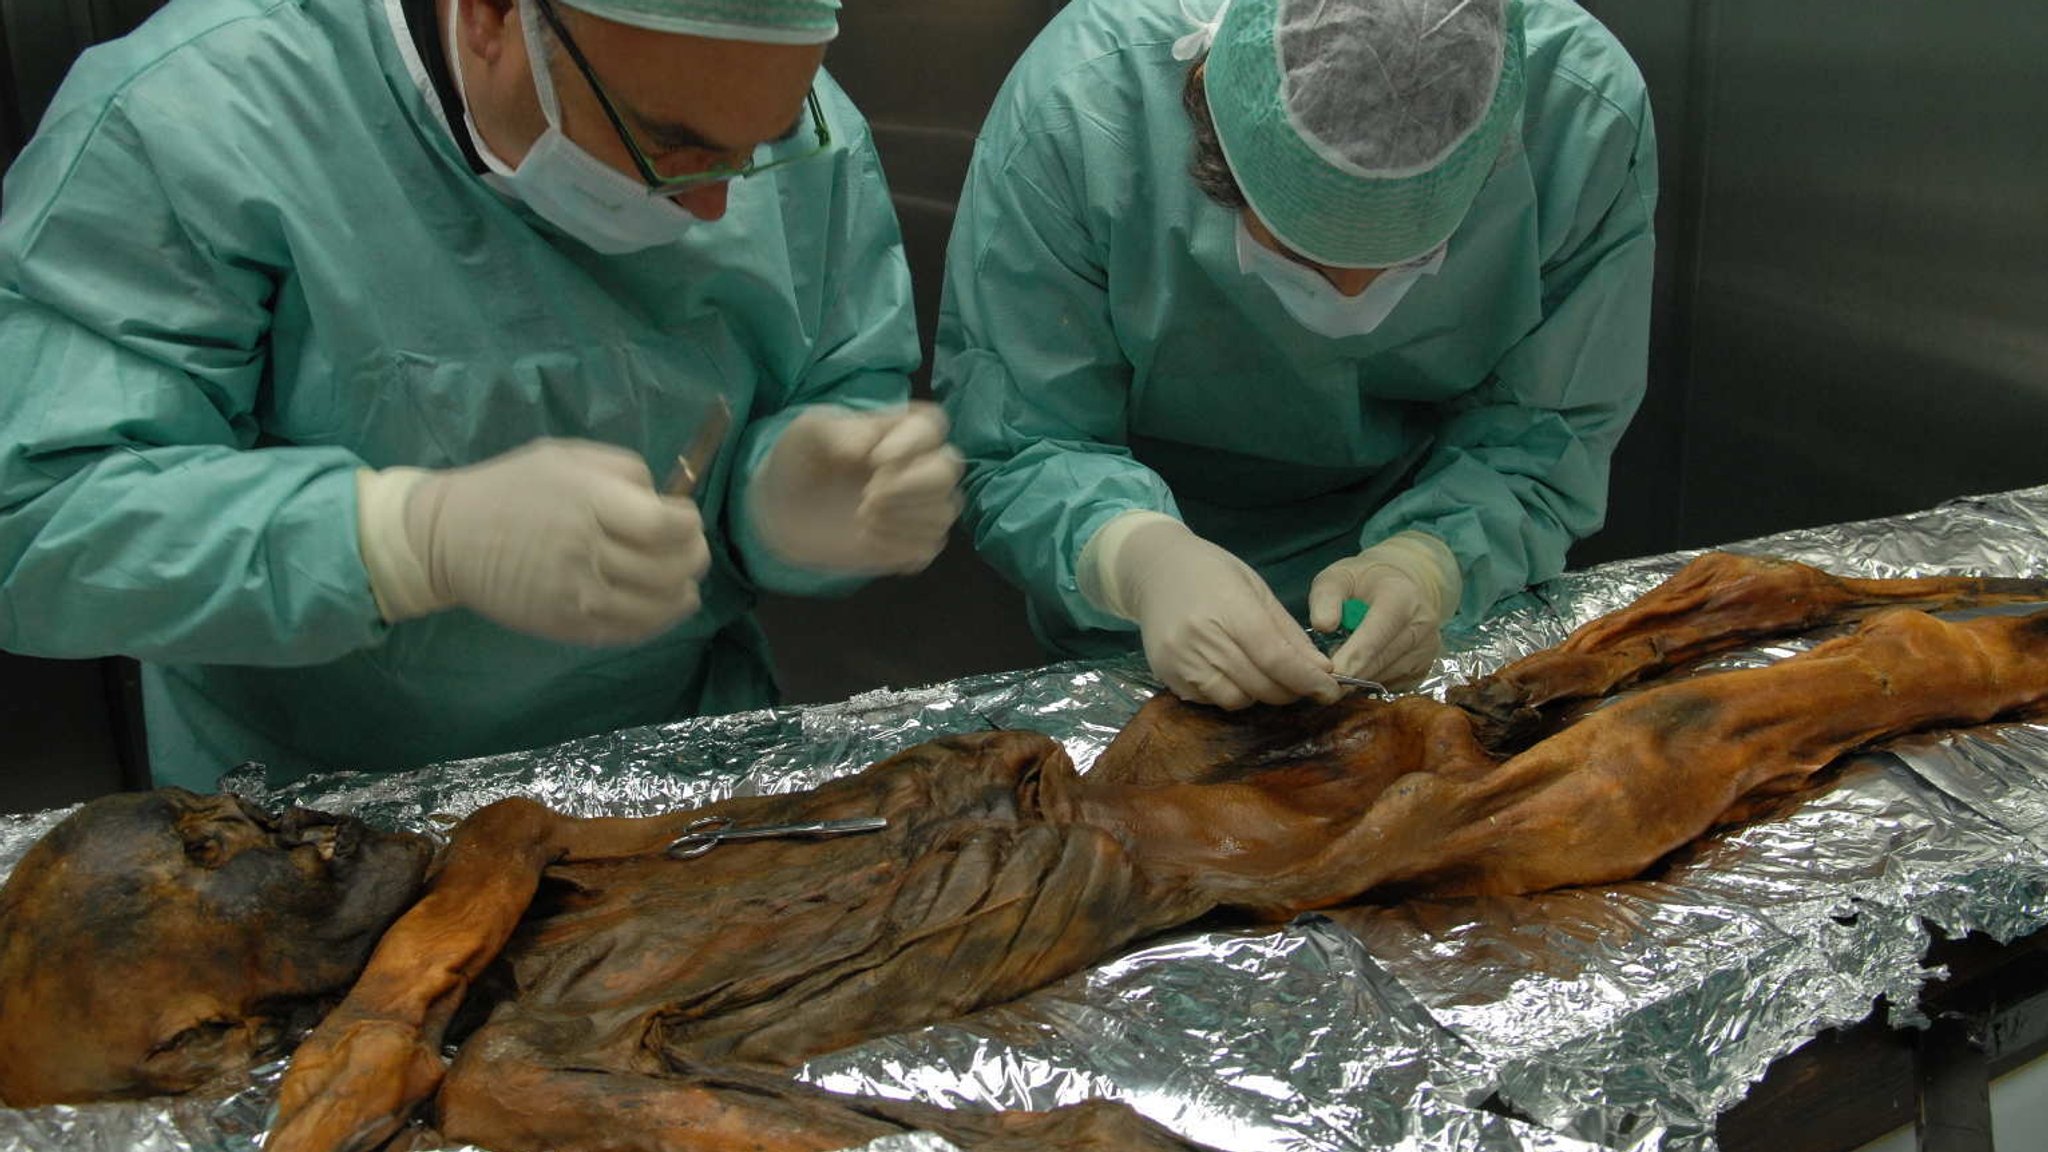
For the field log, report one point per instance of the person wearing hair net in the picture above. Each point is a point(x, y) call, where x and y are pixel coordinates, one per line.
point(353, 348)
point(1301, 304)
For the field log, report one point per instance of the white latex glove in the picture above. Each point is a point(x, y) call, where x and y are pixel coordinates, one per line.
point(859, 492)
point(564, 539)
point(1213, 631)
point(1410, 585)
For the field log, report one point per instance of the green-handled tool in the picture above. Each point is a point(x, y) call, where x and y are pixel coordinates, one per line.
point(1354, 614)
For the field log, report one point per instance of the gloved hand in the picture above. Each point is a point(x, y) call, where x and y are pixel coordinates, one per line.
point(859, 492)
point(1213, 631)
point(1411, 586)
point(563, 539)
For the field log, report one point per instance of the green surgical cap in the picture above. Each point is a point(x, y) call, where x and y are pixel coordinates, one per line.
point(1360, 131)
point(761, 21)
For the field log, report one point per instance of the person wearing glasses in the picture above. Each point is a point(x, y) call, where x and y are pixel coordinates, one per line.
point(1293, 312)
point(369, 366)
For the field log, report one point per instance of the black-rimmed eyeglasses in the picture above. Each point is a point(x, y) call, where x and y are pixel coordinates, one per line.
point(658, 184)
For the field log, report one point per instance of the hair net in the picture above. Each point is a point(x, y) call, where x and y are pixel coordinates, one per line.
point(1361, 130)
point(764, 21)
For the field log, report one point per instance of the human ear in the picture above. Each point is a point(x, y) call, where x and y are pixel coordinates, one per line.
point(485, 27)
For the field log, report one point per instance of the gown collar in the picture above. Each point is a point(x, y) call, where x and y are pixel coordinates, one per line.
point(417, 30)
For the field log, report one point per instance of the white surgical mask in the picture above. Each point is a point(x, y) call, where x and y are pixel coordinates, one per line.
point(571, 189)
point(1315, 303)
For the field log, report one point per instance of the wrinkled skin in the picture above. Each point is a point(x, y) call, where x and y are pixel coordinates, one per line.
point(168, 938)
point(633, 1001)
point(1719, 602)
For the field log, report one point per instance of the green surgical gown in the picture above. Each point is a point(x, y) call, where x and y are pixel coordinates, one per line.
point(1100, 351)
point(243, 257)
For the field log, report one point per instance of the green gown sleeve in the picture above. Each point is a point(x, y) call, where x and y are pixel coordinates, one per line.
point(866, 347)
point(138, 514)
point(1029, 368)
point(1519, 468)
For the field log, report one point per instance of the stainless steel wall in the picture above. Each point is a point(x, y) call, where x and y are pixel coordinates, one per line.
point(1852, 295)
point(925, 72)
point(1868, 326)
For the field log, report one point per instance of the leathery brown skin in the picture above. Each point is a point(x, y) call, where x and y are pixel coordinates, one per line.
point(691, 983)
point(1719, 601)
point(154, 942)
point(643, 1002)
point(1441, 815)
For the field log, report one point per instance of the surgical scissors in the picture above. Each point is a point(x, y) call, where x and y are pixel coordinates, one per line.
point(704, 835)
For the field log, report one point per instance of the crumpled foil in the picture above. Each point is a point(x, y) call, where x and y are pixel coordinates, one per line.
point(1622, 1018)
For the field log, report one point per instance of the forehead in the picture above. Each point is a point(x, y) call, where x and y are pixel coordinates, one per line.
point(729, 90)
point(112, 836)
point(124, 862)
point(110, 870)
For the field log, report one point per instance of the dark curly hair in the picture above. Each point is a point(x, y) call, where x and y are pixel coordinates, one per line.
point(1211, 171)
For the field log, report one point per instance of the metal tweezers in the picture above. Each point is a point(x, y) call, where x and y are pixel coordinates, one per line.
point(1372, 686)
point(704, 835)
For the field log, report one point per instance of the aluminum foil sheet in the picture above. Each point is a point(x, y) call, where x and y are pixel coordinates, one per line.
point(1618, 1018)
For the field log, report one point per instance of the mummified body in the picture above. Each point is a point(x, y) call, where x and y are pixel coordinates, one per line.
point(634, 1001)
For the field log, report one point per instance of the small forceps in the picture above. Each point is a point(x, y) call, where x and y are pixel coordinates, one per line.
point(1373, 686)
point(704, 835)
point(695, 460)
